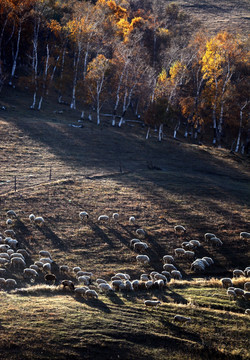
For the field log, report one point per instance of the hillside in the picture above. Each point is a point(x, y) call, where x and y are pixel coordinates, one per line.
point(215, 16)
point(61, 170)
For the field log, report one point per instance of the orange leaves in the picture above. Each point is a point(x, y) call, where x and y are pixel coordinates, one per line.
point(55, 27)
point(97, 67)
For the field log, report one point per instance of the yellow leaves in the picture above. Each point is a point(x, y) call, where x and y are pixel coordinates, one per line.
point(177, 70)
point(136, 22)
point(55, 27)
point(163, 32)
point(97, 67)
point(162, 77)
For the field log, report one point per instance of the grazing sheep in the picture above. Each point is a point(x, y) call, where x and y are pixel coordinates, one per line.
point(5, 256)
point(113, 278)
point(149, 284)
point(198, 265)
point(186, 245)
point(176, 274)
point(3, 261)
point(17, 263)
point(2, 283)
point(64, 268)
point(103, 218)
point(23, 252)
point(231, 293)
point(134, 241)
point(46, 260)
point(247, 311)
point(39, 220)
point(239, 292)
point(247, 286)
point(128, 285)
point(32, 217)
point(238, 273)
point(226, 282)
point(189, 254)
point(208, 236)
point(10, 232)
point(68, 284)
point(4, 247)
point(135, 284)
point(105, 287)
point(152, 303)
point(169, 267)
point(9, 222)
point(167, 274)
point(123, 276)
point(180, 230)
point(246, 295)
point(45, 253)
point(159, 283)
point(116, 284)
point(168, 259)
point(39, 264)
point(182, 319)
point(161, 277)
point(140, 232)
point(247, 271)
point(131, 220)
point(209, 260)
point(215, 241)
point(47, 267)
point(80, 273)
point(140, 246)
point(179, 251)
point(10, 251)
point(91, 294)
point(88, 273)
point(244, 235)
point(144, 277)
point(10, 283)
point(83, 215)
point(152, 274)
point(11, 242)
point(35, 267)
point(101, 281)
point(115, 216)
point(195, 243)
point(11, 213)
point(2, 272)
point(80, 291)
point(204, 262)
point(76, 269)
point(84, 279)
point(144, 259)
point(30, 273)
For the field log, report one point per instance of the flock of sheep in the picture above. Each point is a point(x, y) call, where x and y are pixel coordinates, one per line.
point(82, 283)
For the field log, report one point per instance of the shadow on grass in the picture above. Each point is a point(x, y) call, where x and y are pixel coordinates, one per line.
point(94, 303)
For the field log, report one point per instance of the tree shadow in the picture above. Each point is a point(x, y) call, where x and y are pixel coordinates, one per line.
point(49, 234)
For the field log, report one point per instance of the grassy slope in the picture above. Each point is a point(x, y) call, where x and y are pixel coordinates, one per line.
point(203, 188)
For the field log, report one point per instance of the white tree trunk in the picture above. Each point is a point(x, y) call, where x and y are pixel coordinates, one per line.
point(160, 134)
point(147, 135)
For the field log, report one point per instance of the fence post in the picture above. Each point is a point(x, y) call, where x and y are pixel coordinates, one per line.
point(15, 183)
point(50, 174)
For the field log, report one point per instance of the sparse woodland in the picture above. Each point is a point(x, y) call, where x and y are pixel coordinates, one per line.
point(149, 58)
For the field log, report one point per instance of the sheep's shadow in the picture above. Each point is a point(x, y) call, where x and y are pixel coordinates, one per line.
point(23, 234)
point(100, 233)
point(177, 297)
point(94, 303)
point(115, 298)
point(49, 234)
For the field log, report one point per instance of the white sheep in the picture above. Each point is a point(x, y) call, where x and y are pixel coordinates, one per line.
point(239, 292)
point(231, 293)
point(215, 241)
point(169, 267)
point(46, 260)
point(152, 274)
point(11, 242)
point(23, 252)
point(105, 287)
point(144, 277)
point(2, 283)
point(35, 267)
point(209, 260)
point(208, 236)
point(161, 277)
point(195, 243)
point(64, 268)
point(101, 281)
point(134, 241)
point(83, 215)
point(153, 303)
point(123, 276)
point(247, 311)
point(131, 220)
point(189, 254)
point(198, 265)
point(182, 319)
point(17, 262)
point(9, 232)
point(39, 220)
point(116, 284)
point(45, 253)
point(76, 269)
point(32, 217)
point(176, 274)
point(3, 261)
point(4, 247)
point(179, 251)
point(11, 213)
point(30, 273)
point(149, 284)
point(10, 283)
point(246, 295)
point(39, 264)
point(180, 230)
point(167, 274)
point(91, 294)
point(10, 251)
point(168, 259)
point(159, 283)
point(226, 282)
point(5, 255)
point(135, 284)
point(140, 232)
point(103, 218)
point(140, 246)
point(80, 291)
point(47, 267)
point(238, 273)
point(84, 279)
point(115, 216)
point(9, 222)
point(128, 285)
point(244, 235)
point(247, 286)
point(144, 259)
